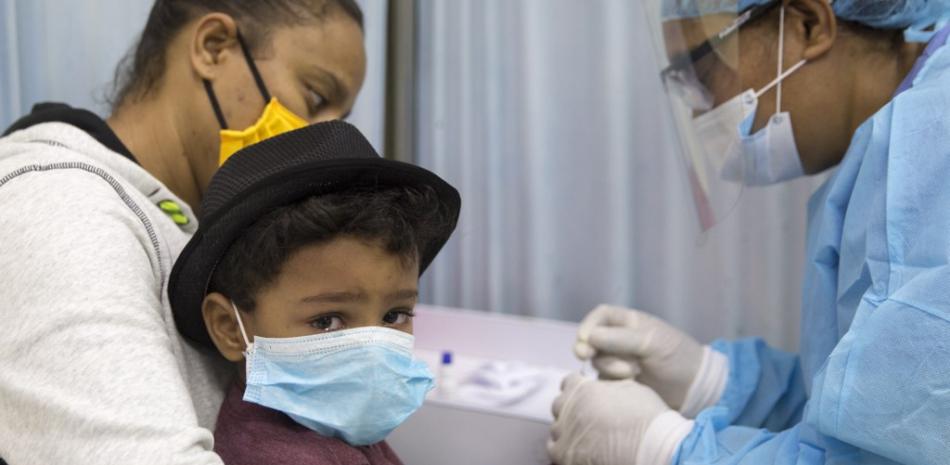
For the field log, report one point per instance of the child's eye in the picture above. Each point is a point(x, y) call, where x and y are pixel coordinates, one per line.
point(327, 323)
point(398, 317)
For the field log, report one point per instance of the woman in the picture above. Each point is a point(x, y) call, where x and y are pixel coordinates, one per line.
point(95, 212)
point(776, 89)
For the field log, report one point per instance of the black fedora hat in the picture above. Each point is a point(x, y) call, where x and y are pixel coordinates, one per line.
point(316, 160)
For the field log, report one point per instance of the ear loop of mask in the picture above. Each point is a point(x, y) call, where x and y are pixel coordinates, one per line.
point(247, 342)
point(214, 104)
point(254, 71)
point(781, 58)
point(258, 80)
point(781, 74)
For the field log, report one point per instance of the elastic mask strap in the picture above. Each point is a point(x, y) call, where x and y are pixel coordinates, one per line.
point(250, 64)
point(781, 58)
point(781, 75)
point(257, 80)
point(214, 104)
point(241, 325)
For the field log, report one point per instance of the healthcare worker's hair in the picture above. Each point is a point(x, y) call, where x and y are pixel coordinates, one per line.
point(401, 220)
point(139, 72)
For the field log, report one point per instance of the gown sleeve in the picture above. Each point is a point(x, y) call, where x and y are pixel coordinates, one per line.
point(765, 389)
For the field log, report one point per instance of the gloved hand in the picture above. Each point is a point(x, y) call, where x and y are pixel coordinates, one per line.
point(626, 343)
point(613, 423)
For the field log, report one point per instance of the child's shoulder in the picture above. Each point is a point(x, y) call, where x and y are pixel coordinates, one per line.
point(276, 443)
point(249, 434)
point(268, 440)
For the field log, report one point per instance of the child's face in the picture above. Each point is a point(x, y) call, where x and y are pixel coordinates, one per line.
point(341, 284)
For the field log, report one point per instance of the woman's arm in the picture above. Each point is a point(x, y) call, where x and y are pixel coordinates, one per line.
point(886, 385)
point(89, 373)
point(882, 396)
point(765, 387)
point(712, 442)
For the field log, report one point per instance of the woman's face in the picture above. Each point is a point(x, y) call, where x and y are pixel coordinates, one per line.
point(315, 70)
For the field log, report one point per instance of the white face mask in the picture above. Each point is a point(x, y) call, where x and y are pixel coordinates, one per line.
point(767, 157)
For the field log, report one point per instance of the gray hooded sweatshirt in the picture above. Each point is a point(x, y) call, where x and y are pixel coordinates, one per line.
point(92, 369)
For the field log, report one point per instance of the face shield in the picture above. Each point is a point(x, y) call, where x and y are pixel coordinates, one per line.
point(700, 60)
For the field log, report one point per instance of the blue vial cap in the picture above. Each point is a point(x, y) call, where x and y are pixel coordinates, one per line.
point(446, 357)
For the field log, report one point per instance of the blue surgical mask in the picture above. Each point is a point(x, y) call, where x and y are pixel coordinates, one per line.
point(767, 156)
point(355, 384)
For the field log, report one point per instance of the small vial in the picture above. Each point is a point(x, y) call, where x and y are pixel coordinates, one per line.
point(448, 381)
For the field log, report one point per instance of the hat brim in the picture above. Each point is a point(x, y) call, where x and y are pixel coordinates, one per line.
point(191, 274)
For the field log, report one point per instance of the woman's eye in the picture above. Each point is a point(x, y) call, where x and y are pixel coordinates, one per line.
point(315, 102)
point(398, 317)
point(327, 323)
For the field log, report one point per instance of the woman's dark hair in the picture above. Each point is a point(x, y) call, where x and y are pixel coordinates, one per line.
point(401, 220)
point(140, 70)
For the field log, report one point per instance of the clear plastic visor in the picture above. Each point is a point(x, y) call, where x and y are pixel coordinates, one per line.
point(700, 61)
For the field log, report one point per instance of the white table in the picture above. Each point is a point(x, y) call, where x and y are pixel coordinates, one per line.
point(447, 431)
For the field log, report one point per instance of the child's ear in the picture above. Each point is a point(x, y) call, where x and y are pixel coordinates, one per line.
point(223, 326)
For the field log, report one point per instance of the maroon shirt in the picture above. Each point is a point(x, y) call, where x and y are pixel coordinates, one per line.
point(249, 434)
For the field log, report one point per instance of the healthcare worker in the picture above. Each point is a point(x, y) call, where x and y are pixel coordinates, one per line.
point(94, 212)
point(769, 90)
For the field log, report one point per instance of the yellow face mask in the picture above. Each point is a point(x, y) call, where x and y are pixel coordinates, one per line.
point(276, 118)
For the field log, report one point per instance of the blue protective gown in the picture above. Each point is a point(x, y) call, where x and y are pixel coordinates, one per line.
point(872, 382)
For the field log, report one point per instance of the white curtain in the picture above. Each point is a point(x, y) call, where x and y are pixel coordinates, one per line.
point(64, 51)
point(549, 117)
point(67, 51)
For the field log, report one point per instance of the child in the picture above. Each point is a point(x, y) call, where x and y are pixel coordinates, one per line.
point(304, 273)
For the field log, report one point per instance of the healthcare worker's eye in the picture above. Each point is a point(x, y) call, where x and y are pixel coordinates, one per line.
point(327, 323)
point(398, 317)
point(708, 70)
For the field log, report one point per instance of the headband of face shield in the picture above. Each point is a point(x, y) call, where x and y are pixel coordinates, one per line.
point(722, 154)
point(355, 384)
point(275, 119)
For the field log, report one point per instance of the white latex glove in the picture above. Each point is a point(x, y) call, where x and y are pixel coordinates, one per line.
point(613, 423)
point(625, 343)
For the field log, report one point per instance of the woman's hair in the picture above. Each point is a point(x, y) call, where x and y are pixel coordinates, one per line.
point(403, 221)
point(142, 68)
